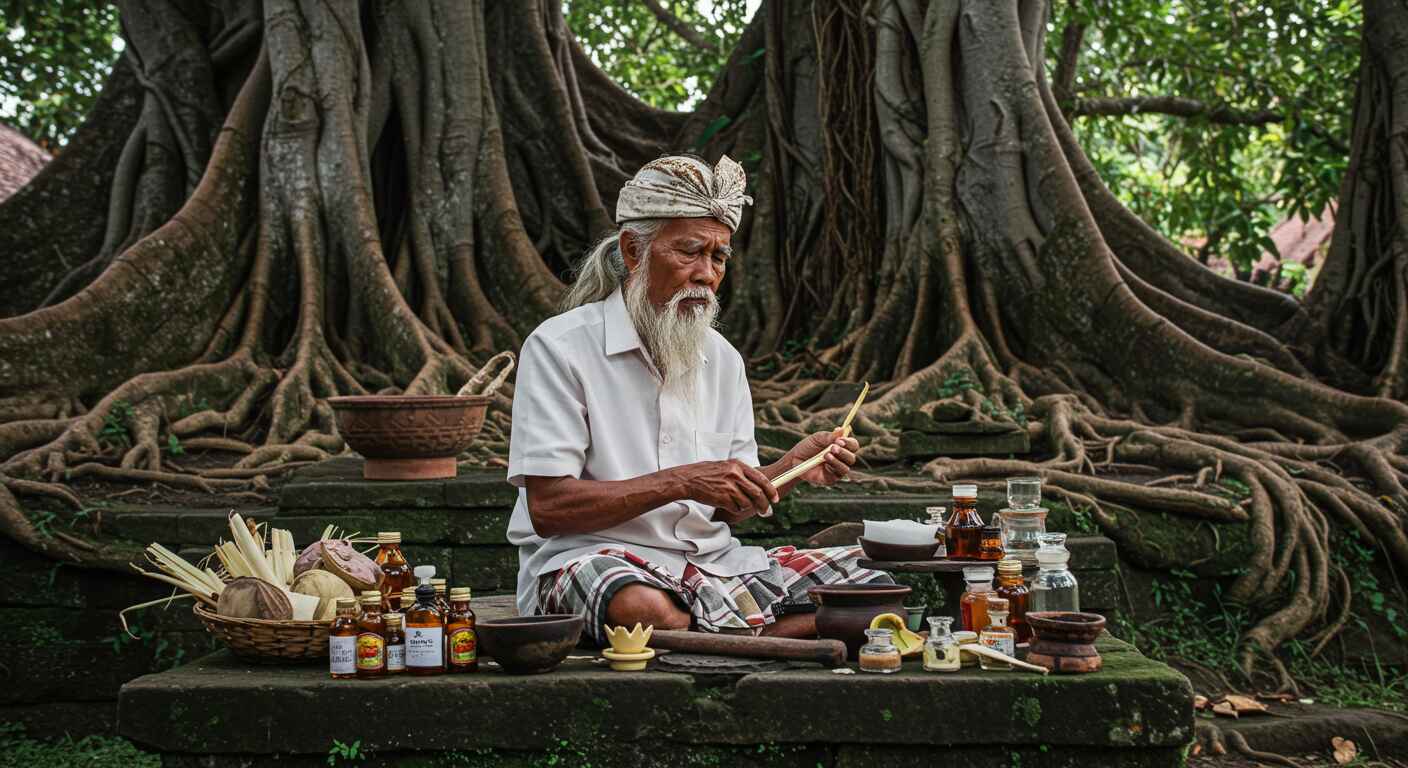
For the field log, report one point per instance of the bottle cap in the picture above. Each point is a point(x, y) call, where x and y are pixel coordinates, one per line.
point(388, 537)
point(460, 593)
point(370, 593)
point(392, 620)
point(1009, 566)
point(966, 491)
point(371, 599)
point(424, 573)
point(977, 573)
point(997, 605)
point(346, 602)
point(965, 636)
point(439, 584)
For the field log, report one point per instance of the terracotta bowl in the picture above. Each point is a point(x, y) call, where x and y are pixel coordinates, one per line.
point(1064, 641)
point(409, 437)
point(525, 645)
point(879, 550)
point(844, 611)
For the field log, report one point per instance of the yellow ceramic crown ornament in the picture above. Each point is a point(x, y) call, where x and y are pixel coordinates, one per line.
point(628, 652)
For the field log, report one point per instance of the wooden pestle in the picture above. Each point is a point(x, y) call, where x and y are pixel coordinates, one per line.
point(828, 653)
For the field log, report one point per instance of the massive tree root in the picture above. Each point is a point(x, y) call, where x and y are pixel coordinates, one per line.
point(390, 199)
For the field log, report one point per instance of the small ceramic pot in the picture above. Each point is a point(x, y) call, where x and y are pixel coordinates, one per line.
point(844, 611)
point(1064, 641)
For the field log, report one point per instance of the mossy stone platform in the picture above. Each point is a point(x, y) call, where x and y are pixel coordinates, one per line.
point(220, 711)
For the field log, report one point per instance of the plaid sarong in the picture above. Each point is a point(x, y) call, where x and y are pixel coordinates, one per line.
point(735, 604)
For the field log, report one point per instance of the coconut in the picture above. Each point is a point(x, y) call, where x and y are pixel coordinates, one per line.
point(324, 586)
point(359, 571)
point(253, 598)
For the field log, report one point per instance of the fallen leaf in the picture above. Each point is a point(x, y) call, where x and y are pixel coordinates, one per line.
point(1284, 698)
point(1244, 703)
point(1345, 750)
point(1200, 701)
point(1225, 709)
point(1197, 749)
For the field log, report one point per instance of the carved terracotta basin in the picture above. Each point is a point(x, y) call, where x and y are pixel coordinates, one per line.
point(409, 437)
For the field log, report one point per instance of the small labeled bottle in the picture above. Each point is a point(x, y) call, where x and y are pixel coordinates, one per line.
point(964, 527)
point(973, 605)
point(997, 636)
point(463, 639)
point(936, 518)
point(1011, 587)
point(425, 629)
point(395, 644)
point(393, 564)
point(879, 653)
point(408, 599)
point(371, 638)
point(941, 649)
point(441, 595)
point(342, 640)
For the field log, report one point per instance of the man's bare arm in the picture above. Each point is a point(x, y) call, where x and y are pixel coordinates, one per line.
point(567, 505)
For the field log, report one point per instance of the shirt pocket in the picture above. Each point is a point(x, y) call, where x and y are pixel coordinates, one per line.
point(713, 446)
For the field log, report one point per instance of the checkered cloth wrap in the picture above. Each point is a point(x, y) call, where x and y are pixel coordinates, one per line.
point(736, 604)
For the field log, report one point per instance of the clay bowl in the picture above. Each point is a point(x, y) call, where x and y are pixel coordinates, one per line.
point(879, 550)
point(409, 437)
point(1064, 641)
point(844, 611)
point(525, 645)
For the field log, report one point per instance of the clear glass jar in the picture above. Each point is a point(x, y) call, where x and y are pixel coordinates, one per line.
point(879, 653)
point(936, 518)
point(1054, 588)
point(941, 649)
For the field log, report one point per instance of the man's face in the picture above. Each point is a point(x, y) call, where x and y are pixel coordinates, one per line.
point(686, 253)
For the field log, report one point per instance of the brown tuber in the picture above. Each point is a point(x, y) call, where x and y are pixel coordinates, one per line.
point(252, 598)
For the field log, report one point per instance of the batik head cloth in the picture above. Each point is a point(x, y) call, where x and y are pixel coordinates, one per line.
point(678, 187)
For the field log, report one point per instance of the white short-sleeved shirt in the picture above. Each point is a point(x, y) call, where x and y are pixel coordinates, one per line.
point(588, 403)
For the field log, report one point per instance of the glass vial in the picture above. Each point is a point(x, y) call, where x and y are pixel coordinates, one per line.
point(941, 649)
point(459, 626)
point(393, 564)
point(879, 653)
point(395, 643)
point(997, 636)
point(973, 605)
point(1011, 588)
point(936, 517)
point(964, 526)
point(1054, 588)
point(342, 640)
point(371, 638)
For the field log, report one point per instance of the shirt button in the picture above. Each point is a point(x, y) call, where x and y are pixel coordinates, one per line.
point(665, 439)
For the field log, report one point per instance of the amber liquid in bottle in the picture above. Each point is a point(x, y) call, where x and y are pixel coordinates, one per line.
point(371, 639)
point(974, 606)
point(425, 635)
point(395, 644)
point(342, 641)
point(964, 532)
point(463, 640)
point(1011, 588)
point(990, 543)
point(397, 571)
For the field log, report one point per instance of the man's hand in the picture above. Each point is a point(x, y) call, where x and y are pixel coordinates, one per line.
point(736, 490)
point(838, 463)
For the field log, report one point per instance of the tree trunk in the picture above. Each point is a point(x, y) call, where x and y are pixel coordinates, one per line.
point(390, 197)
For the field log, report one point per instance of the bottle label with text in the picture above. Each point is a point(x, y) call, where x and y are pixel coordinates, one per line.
point(396, 658)
point(463, 645)
point(371, 651)
point(342, 655)
point(425, 647)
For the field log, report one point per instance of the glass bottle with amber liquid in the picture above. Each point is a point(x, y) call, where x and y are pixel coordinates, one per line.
point(425, 629)
point(342, 640)
point(459, 628)
point(962, 536)
point(973, 606)
point(1011, 588)
point(997, 636)
point(395, 643)
point(371, 638)
point(393, 564)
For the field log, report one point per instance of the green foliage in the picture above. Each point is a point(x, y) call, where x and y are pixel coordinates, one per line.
point(347, 753)
point(54, 57)
point(1356, 559)
point(1196, 179)
point(19, 751)
point(648, 59)
point(114, 432)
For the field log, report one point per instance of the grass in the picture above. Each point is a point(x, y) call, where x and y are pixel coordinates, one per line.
point(19, 751)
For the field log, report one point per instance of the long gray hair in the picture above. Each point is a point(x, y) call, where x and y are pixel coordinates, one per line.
point(604, 268)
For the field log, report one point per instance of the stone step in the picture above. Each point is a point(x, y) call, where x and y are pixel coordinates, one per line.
point(920, 445)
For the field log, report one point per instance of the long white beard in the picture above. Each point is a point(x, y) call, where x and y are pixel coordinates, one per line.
point(673, 338)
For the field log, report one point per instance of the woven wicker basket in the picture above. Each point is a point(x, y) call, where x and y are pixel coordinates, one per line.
point(268, 642)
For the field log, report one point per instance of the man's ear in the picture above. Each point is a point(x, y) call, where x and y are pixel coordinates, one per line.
point(627, 244)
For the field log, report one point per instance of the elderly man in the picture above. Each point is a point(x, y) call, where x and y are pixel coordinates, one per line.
point(633, 442)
